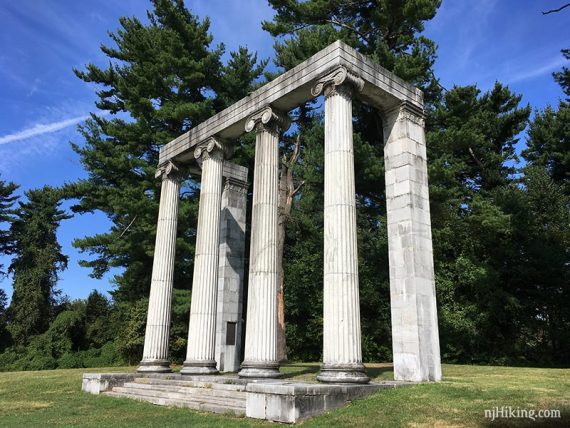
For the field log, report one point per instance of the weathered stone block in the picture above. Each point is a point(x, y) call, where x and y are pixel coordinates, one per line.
point(96, 383)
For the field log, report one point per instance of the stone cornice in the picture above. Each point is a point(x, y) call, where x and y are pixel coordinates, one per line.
point(336, 78)
point(268, 119)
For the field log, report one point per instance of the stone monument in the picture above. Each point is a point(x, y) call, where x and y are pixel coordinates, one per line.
point(340, 74)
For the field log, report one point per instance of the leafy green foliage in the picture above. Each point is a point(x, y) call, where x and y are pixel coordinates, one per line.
point(179, 325)
point(36, 263)
point(129, 341)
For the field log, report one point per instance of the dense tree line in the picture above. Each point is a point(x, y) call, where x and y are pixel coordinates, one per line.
point(501, 226)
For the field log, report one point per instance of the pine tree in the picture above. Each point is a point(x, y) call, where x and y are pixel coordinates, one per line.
point(163, 79)
point(37, 260)
point(7, 199)
point(549, 135)
point(5, 338)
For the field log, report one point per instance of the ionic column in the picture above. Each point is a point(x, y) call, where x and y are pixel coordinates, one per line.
point(342, 354)
point(415, 337)
point(200, 355)
point(260, 358)
point(155, 354)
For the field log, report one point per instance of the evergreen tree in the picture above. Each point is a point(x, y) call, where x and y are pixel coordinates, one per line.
point(471, 152)
point(549, 135)
point(37, 260)
point(563, 76)
point(7, 199)
point(162, 80)
point(98, 329)
point(4, 335)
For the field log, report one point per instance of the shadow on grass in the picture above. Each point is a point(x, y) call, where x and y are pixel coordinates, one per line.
point(304, 370)
point(374, 372)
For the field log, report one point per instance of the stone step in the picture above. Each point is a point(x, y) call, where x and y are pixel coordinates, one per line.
point(188, 390)
point(191, 383)
point(167, 394)
point(189, 404)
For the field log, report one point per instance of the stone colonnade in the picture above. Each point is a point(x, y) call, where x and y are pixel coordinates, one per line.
point(412, 291)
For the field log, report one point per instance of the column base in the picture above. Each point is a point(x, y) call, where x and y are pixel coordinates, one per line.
point(342, 373)
point(199, 368)
point(261, 370)
point(154, 366)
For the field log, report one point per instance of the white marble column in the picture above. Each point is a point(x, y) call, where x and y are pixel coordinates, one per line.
point(415, 337)
point(200, 355)
point(342, 354)
point(260, 360)
point(155, 354)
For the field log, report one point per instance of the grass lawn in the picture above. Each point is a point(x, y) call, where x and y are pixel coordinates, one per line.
point(54, 397)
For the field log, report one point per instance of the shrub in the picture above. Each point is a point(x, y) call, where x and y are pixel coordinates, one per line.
point(70, 361)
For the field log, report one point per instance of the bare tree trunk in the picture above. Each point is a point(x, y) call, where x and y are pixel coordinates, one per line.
point(287, 191)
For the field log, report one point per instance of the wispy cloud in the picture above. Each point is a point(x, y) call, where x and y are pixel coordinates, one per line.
point(537, 71)
point(41, 129)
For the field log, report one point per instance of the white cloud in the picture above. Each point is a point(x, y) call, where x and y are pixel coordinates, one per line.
point(41, 129)
point(538, 71)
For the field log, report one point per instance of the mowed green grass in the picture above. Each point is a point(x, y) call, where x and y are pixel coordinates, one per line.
point(54, 398)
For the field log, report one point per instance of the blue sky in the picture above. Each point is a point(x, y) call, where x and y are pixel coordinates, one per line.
point(41, 100)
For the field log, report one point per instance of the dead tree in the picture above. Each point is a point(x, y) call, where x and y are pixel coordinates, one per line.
point(287, 191)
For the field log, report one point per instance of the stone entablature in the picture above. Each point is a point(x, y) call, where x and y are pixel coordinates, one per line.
point(380, 88)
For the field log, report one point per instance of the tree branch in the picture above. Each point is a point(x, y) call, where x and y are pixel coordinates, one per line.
point(556, 10)
point(128, 227)
point(477, 161)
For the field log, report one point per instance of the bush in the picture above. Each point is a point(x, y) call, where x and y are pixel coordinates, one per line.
point(106, 356)
point(40, 362)
point(70, 361)
point(9, 359)
point(129, 341)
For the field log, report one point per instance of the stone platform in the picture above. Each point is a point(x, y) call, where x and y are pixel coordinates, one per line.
point(272, 399)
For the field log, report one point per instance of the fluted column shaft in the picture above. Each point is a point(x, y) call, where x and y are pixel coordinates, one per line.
point(260, 358)
point(342, 355)
point(155, 354)
point(200, 356)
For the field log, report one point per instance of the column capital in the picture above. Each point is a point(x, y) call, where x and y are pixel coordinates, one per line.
point(269, 119)
point(169, 170)
point(212, 147)
point(340, 79)
point(407, 111)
